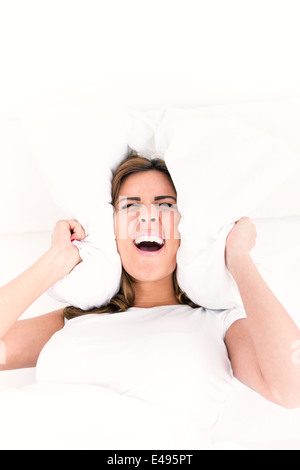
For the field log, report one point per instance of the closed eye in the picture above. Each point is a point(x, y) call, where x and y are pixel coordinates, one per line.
point(127, 206)
point(166, 204)
point(163, 205)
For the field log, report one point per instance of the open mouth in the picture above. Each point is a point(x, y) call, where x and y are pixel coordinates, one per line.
point(149, 243)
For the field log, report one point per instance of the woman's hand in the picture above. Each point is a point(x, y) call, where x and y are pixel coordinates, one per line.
point(240, 241)
point(17, 296)
point(65, 232)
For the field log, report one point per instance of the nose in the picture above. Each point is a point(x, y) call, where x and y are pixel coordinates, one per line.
point(148, 214)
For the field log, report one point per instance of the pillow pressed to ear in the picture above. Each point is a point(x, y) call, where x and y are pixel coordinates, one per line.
point(222, 169)
point(76, 149)
point(96, 280)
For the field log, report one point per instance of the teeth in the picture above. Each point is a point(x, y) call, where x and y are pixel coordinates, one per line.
point(149, 239)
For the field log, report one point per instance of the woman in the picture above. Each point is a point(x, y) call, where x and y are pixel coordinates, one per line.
point(160, 316)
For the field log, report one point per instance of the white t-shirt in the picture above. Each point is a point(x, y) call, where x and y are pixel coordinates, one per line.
point(171, 356)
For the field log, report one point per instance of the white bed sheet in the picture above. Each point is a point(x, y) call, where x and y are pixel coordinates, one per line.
point(67, 417)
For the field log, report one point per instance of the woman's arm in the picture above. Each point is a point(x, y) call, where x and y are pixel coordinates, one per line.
point(261, 350)
point(57, 262)
point(17, 296)
point(23, 343)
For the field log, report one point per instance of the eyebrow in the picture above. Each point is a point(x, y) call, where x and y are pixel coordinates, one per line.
point(159, 198)
point(138, 199)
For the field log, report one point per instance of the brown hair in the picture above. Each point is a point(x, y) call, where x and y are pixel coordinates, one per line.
point(125, 298)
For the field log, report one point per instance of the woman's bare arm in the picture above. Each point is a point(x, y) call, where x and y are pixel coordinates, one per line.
point(17, 296)
point(22, 345)
point(261, 347)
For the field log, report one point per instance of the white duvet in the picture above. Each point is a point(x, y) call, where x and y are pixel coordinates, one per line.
point(88, 417)
point(69, 417)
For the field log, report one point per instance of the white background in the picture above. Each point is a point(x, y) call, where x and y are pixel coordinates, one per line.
point(221, 48)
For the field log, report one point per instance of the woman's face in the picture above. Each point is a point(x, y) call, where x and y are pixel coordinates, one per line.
point(146, 226)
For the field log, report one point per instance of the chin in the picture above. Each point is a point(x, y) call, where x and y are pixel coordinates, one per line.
point(145, 268)
point(150, 277)
point(150, 273)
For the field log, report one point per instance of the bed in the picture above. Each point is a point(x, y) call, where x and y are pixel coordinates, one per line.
point(27, 217)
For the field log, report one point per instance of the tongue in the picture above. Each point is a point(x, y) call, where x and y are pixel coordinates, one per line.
point(149, 246)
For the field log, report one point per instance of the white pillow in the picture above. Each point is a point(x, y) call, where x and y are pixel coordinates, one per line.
point(78, 147)
point(222, 169)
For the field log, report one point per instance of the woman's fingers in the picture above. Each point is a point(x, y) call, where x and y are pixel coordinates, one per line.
point(66, 231)
point(76, 230)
